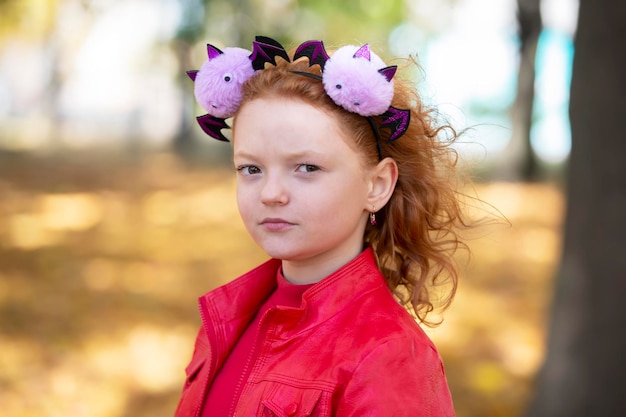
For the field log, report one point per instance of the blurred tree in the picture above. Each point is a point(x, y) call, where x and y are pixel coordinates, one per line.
point(190, 30)
point(519, 161)
point(11, 14)
point(357, 21)
point(36, 22)
point(585, 368)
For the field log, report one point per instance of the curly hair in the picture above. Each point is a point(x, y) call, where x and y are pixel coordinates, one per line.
point(417, 232)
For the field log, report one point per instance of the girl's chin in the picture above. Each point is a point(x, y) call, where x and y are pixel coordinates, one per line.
point(286, 254)
point(282, 255)
point(281, 248)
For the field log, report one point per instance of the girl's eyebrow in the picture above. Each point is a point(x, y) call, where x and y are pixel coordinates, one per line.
point(244, 154)
point(304, 154)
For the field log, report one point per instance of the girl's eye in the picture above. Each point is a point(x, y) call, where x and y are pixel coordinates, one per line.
point(249, 170)
point(308, 168)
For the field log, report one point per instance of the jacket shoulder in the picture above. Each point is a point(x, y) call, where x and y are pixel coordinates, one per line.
point(400, 377)
point(383, 312)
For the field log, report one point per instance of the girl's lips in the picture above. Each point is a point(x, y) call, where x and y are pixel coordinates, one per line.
point(275, 225)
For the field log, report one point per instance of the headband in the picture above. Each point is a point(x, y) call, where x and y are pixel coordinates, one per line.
point(355, 78)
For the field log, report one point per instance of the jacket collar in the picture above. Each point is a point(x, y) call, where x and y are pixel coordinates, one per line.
point(227, 310)
point(351, 281)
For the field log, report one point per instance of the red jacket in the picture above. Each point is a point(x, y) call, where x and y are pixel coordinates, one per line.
point(350, 350)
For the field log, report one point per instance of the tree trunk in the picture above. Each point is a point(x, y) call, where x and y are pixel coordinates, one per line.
point(585, 369)
point(518, 161)
point(183, 143)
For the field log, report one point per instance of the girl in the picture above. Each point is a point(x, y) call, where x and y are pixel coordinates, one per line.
point(344, 180)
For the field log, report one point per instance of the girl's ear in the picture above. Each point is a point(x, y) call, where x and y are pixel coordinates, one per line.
point(382, 184)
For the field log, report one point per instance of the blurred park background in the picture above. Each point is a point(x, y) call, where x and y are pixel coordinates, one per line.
point(116, 212)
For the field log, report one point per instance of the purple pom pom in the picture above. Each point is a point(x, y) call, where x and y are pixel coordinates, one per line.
point(355, 83)
point(218, 83)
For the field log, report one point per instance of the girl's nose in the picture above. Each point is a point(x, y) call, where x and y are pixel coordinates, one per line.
point(274, 191)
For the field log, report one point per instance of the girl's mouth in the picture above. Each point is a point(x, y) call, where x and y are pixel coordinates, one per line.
point(275, 224)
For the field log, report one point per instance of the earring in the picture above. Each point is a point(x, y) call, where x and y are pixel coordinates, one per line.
point(372, 218)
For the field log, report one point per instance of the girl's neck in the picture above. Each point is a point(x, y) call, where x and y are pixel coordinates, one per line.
point(314, 270)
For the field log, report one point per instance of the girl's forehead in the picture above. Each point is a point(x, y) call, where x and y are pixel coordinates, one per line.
point(286, 116)
point(272, 102)
point(290, 128)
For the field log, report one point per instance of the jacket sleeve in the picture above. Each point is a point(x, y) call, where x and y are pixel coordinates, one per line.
point(400, 378)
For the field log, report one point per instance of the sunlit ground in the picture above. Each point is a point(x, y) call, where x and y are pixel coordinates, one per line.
point(101, 263)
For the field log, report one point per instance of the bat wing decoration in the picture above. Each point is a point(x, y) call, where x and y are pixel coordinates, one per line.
point(315, 51)
point(264, 50)
point(397, 120)
point(213, 126)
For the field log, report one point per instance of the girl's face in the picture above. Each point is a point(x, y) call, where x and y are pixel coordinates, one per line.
point(302, 190)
